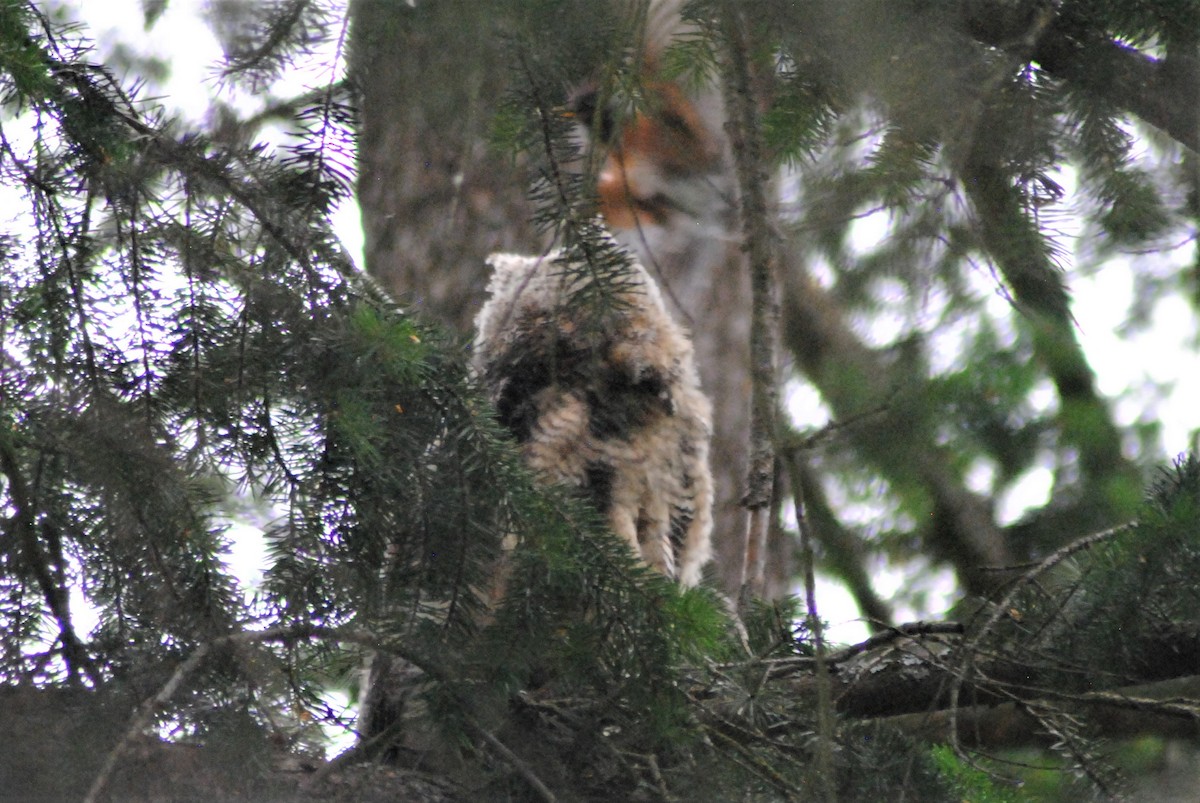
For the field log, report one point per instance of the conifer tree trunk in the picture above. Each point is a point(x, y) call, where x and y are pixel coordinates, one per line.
point(435, 200)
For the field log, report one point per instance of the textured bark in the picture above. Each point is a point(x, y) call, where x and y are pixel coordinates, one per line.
point(435, 199)
point(910, 670)
point(761, 246)
point(1010, 724)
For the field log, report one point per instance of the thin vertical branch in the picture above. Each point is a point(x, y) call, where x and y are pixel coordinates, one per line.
point(745, 136)
point(825, 725)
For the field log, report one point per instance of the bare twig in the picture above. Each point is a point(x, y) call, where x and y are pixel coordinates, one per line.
point(825, 727)
point(909, 630)
point(143, 717)
point(516, 762)
point(778, 667)
point(810, 440)
point(756, 765)
point(656, 774)
point(145, 712)
point(1001, 609)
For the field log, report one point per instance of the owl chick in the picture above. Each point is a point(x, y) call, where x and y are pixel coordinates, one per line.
point(609, 403)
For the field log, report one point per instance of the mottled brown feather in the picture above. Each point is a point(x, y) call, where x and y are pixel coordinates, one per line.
point(608, 404)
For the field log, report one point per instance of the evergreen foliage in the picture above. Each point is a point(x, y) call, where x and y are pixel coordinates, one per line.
point(1124, 613)
point(183, 337)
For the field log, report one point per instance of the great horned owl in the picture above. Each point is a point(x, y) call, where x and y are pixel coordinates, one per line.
point(609, 403)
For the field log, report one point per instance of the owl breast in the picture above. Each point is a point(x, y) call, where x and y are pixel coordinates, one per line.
point(607, 403)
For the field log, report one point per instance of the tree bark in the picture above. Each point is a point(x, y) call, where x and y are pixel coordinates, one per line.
point(435, 199)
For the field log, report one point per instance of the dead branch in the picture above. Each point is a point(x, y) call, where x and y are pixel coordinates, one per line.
point(761, 247)
point(1167, 709)
point(144, 716)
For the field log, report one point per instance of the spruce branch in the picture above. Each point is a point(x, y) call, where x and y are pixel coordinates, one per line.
point(908, 672)
point(854, 378)
point(1166, 708)
point(602, 267)
point(144, 716)
point(260, 40)
point(1004, 607)
point(1074, 50)
point(1021, 254)
point(24, 526)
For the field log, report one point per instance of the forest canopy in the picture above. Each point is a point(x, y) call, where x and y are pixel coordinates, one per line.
point(887, 226)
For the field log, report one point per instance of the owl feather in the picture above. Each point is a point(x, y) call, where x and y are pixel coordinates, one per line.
point(607, 402)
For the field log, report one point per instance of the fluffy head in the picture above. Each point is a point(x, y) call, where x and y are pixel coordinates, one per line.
point(609, 403)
